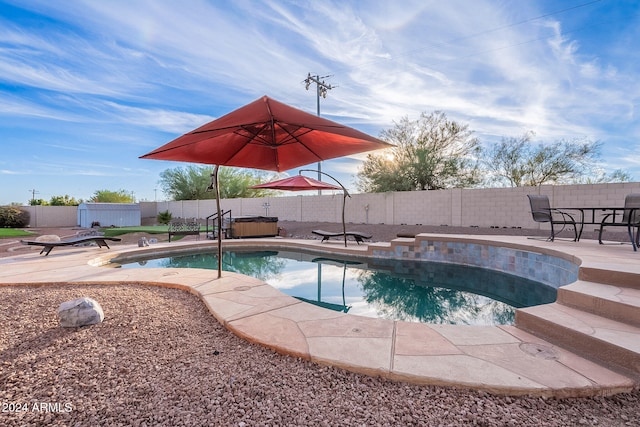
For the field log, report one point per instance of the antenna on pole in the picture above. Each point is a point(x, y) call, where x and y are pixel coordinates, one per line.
point(321, 91)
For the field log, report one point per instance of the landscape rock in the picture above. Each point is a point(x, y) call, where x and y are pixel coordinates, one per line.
point(80, 312)
point(48, 238)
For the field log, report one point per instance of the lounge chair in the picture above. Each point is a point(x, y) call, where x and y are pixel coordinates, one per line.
point(358, 236)
point(542, 212)
point(630, 218)
point(47, 246)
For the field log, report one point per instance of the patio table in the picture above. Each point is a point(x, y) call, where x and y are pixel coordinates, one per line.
point(595, 215)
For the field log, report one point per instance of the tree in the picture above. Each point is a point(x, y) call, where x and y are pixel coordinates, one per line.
point(13, 217)
point(430, 153)
point(64, 201)
point(193, 183)
point(518, 162)
point(38, 202)
point(164, 217)
point(601, 177)
point(106, 196)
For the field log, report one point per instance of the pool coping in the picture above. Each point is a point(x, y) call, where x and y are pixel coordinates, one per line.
point(497, 359)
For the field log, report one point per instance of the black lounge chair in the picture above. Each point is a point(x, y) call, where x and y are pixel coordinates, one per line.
point(47, 246)
point(358, 236)
point(630, 218)
point(542, 212)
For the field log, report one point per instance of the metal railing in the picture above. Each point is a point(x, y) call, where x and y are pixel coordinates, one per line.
point(214, 225)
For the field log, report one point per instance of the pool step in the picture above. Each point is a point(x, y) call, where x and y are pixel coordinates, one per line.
point(599, 322)
point(613, 302)
point(624, 279)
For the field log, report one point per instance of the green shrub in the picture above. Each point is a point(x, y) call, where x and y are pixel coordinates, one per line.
point(164, 217)
point(13, 217)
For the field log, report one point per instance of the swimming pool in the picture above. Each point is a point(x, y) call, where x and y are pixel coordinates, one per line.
point(414, 291)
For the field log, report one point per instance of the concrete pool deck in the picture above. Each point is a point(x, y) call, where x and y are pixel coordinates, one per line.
point(585, 344)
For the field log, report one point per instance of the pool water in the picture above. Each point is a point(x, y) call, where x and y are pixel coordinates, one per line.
point(415, 291)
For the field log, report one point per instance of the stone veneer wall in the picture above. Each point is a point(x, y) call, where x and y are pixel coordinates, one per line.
point(552, 270)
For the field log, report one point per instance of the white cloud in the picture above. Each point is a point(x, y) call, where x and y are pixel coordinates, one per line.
point(127, 75)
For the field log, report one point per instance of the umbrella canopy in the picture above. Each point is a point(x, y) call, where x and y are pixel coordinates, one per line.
point(268, 135)
point(297, 183)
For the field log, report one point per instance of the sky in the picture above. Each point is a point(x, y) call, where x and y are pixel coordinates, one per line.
point(87, 87)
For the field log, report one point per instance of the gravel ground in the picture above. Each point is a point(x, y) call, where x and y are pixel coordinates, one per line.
point(160, 358)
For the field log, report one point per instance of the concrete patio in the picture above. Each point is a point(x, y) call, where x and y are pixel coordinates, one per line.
point(585, 344)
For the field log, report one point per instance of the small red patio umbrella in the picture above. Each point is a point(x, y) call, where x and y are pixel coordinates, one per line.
point(303, 183)
point(265, 134)
point(297, 183)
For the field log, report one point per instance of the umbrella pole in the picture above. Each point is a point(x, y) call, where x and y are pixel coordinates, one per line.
point(215, 179)
point(345, 194)
point(344, 225)
point(344, 275)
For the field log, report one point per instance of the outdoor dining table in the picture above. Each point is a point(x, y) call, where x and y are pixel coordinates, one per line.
point(589, 215)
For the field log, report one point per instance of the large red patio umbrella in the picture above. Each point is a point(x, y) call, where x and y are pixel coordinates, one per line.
point(268, 135)
point(303, 183)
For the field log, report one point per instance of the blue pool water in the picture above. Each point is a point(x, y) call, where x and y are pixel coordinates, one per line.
point(415, 291)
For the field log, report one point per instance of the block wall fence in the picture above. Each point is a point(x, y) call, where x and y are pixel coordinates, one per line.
point(486, 207)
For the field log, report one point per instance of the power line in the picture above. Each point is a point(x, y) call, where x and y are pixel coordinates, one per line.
point(493, 30)
point(507, 46)
point(480, 33)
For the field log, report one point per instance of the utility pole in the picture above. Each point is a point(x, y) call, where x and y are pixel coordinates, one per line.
point(321, 91)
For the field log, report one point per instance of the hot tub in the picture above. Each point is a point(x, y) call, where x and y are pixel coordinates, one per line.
point(254, 226)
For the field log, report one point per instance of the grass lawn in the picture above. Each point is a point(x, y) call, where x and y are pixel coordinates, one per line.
point(13, 232)
point(151, 229)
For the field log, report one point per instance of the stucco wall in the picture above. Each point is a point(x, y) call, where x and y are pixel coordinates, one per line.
point(52, 216)
point(498, 207)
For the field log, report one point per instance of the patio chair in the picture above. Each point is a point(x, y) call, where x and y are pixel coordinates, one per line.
point(542, 212)
point(357, 235)
point(630, 219)
point(47, 246)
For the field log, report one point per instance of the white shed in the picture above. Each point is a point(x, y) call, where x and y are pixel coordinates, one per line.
point(109, 214)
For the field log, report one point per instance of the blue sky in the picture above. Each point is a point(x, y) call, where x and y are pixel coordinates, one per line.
point(87, 87)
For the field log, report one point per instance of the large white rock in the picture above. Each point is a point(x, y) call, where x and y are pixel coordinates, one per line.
point(48, 238)
point(80, 312)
